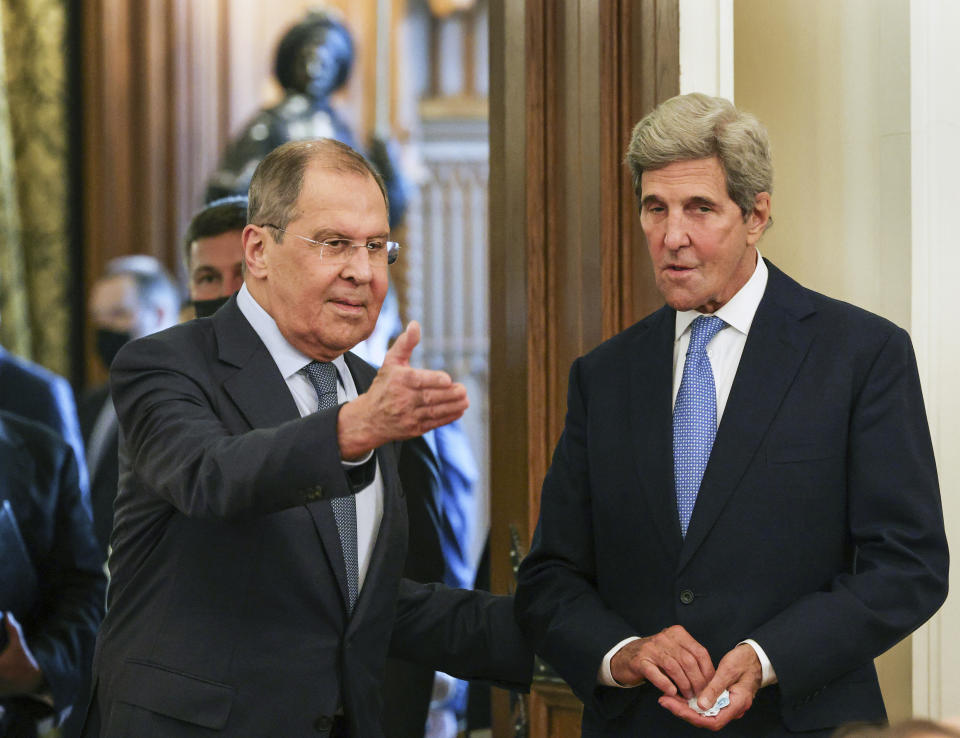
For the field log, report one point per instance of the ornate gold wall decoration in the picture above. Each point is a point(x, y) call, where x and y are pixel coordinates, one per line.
point(34, 217)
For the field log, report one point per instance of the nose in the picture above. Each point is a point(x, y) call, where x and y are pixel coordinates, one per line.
point(676, 234)
point(357, 268)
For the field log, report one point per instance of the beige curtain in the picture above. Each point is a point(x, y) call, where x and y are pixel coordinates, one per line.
point(35, 275)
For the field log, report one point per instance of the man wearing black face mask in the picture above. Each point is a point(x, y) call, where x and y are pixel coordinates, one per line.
point(213, 253)
point(135, 297)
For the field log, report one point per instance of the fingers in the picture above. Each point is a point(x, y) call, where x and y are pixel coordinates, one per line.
point(679, 707)
point(672, 661)
point(740, 673)
point(399, 353)
point(425, 378)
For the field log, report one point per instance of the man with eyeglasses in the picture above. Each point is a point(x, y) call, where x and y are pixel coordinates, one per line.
point(260, 526)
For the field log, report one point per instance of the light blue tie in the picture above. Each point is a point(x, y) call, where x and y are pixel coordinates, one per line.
point(694, 417)
point(323, 376)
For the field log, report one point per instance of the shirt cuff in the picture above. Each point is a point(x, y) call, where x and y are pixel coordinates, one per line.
point(355, 464)
point(768, 675)
point(604, 676)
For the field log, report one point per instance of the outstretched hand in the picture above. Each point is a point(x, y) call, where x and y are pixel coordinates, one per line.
point(740, 673)
point(402, 402)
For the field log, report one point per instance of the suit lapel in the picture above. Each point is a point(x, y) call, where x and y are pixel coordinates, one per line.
point(778, 341)
point(651, 361)
point(363, 375)
point(261, 394)
point(256, 387)
point(382, 548)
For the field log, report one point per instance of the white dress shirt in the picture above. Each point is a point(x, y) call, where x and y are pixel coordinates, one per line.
point(291, 363)
point(724, 352)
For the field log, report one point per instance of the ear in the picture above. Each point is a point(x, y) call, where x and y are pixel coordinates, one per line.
point(254, 241)
point(758, 218)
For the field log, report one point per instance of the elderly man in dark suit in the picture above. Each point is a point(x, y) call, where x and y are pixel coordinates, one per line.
point(745, 477)
point(260, 528)
point(51, 577)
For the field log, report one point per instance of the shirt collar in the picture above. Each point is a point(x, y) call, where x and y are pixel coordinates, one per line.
point(288, 359)
point(739, 310)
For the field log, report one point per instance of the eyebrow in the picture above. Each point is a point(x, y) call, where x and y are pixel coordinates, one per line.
point(202, 269)
point(695, 200)
point(322, 234)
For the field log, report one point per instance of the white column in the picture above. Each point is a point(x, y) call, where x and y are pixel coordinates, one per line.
point(706, 47)
point(935, 174)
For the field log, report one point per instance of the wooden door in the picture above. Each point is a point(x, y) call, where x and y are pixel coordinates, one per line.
point(568, 268)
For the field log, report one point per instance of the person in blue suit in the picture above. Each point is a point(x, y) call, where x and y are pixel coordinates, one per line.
point(34, 392)
point(744, 502)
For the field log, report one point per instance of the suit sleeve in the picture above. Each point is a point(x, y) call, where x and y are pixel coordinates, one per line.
point(469, 634)
point(175, 438)
point(557, 602)
point(896, 525)
point(72, 582)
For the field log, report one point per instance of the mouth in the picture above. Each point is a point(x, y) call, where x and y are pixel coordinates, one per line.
point(678, 269)
point(349, 306)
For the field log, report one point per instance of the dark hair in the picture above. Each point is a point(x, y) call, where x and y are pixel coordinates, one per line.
point(275, 187)
point(307, 32)
point(220, 216)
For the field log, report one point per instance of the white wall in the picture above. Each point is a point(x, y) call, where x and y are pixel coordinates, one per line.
point(831, 81)
point(935, 121)
point(860, 97)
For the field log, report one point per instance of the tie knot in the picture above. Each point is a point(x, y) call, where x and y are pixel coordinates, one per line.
point(323, 376)
point(703, 329)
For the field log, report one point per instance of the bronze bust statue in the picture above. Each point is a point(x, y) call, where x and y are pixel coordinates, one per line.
point(313, 61)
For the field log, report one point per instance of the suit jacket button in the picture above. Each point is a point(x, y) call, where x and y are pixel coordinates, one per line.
point(686, 596)
point(323, 724)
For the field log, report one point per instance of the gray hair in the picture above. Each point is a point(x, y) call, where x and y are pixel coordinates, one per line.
point(278, 179)
point(153, 284)
point(698, 126)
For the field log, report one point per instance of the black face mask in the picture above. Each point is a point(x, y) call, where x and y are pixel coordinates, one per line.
point(206, 308)
point(109, 343)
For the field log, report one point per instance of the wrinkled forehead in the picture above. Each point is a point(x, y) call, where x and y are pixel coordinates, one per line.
point(332, 194)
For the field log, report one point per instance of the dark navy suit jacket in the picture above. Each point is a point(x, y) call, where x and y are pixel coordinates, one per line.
point(817, 531)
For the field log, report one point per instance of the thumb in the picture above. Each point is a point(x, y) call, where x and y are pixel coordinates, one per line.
point(399, 353)
point(710, 693)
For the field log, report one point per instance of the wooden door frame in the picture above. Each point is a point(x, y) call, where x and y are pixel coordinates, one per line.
point(568, 80)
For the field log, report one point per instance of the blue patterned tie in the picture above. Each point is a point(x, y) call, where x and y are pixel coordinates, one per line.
point(323, 375)
point(694, 417)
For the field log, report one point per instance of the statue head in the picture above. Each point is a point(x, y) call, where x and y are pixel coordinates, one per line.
point(315, 56)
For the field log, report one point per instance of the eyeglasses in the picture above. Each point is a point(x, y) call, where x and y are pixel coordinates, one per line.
point(340, 250)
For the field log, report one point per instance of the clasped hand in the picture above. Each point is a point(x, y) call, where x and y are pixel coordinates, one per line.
point(402, 402)
point(676, 664)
